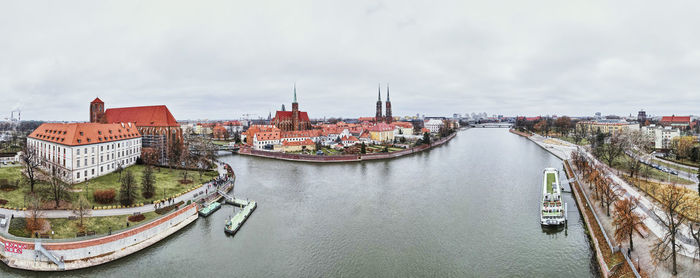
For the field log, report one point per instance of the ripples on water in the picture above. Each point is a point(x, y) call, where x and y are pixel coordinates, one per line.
point(466, 209)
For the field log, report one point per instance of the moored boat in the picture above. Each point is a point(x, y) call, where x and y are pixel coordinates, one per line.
point(553, 209)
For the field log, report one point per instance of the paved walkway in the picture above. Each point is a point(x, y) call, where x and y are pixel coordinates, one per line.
point(123, 211)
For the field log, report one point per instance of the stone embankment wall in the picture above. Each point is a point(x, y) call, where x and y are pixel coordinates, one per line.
point(91, 252)
point(343, 158)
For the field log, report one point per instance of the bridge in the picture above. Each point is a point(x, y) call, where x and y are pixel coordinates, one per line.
point(493, 125)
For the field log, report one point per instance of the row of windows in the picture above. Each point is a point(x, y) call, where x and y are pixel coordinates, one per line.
point(109, 166)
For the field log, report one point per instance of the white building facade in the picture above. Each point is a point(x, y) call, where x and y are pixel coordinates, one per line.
point(434, 125)
point(82, 151)
point(662, 136)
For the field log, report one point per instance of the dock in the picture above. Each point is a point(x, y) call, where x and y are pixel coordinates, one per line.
point(237, 221)
point(211, 208)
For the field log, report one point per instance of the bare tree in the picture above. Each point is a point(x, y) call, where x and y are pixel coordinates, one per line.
point(30, 158)
point(626, 220)
point(34, 214)
point(127, 193)
point(672, 200)
point(609, 192)
point(636, 142)
point(696, 237)
point(148, 183)
point(58, 188)
point(81, 208)
point(614, 149)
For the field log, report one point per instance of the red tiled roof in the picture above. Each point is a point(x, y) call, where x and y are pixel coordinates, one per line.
point(97, 100)
point(157, 115)
point(306, 142)
point(351, 138)
point(76, 134)
point(366, 119)
point(299, 133)
point(676, 119)
point(381, 127)
point(403, 124)
point(284, 115)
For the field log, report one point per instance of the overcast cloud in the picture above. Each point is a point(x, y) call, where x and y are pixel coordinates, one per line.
point(222, 59)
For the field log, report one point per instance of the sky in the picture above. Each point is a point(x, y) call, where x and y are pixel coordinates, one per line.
point(223, 59)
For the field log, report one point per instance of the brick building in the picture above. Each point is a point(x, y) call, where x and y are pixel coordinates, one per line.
point(158, 127)
point(292, 120)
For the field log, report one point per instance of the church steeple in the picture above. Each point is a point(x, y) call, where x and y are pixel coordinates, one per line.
point(387, 92)
point(295, 92)
point(389, 118)
point(378, 115)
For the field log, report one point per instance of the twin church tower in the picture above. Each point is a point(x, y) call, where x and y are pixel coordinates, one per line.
point(378, 117)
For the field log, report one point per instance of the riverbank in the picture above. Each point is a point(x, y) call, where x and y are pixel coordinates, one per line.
point(604, 227)
point(83, 252)
point(343, 158)
point(49, 255)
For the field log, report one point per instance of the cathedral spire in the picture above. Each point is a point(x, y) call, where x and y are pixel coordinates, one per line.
point(295, 92)
point(387, 92)
point(379, 92)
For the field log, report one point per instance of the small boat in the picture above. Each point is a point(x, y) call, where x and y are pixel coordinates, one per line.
point(211, 208)
point(552, 210)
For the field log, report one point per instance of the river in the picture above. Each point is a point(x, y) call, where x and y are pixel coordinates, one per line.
point(465, 209)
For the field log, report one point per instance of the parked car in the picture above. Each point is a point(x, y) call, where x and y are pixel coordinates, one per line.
point(673, 172)
point(3, 221)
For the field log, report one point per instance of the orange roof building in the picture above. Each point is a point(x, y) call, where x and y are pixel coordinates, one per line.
point(677, 121)
point(157, 125)
point(292, 120)
point(77, 152)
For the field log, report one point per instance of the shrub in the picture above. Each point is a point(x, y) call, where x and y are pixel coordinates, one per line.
point(137, 218)
point(3, 202)
point(104, 196)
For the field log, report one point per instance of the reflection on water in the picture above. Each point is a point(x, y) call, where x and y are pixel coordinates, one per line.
point(467, 209)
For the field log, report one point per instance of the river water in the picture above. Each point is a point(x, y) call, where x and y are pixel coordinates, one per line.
point(465, 209)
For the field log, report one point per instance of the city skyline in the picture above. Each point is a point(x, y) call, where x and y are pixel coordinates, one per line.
point(573, 58)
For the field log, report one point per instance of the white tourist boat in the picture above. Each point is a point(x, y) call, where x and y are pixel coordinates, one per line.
point(553, 209)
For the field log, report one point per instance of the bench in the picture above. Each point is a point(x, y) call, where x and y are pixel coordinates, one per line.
point(136, 213)
point(91, 233)
point(72, 217)
point(44, 236)
point(81, 234)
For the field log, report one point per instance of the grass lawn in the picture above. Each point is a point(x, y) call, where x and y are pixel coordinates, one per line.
point(570, 139)
point(673, 166)
point(15, 198)
point(621, 164)
point(166, 179)
point(683, 161)
point(550, 179)
point(65, 228)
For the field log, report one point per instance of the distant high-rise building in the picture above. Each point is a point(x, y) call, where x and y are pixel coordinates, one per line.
point(642, 116)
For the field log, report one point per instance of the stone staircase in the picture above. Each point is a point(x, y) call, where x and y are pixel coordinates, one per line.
point(39, 248)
